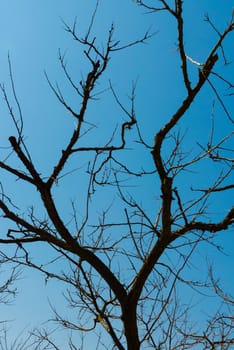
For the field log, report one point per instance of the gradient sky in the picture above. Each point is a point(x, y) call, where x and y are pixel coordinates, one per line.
point(32, 32)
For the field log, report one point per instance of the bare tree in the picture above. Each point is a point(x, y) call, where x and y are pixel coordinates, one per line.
point(125, 263)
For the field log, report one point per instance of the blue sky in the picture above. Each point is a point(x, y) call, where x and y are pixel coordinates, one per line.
point(32, 32)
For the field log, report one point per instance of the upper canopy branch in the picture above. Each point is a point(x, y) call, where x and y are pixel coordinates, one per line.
point(180, 24)
point(160, 136)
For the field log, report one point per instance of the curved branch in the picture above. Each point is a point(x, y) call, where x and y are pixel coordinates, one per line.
point(209, 227)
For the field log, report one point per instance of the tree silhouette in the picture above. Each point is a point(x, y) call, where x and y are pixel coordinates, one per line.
point(125, 263)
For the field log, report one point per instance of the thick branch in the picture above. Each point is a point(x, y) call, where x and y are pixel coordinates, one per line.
point(146, 269)
point(16, 172)
point(27, 163)
point(69, 244)
point(41, 235)
point(83, 253)
point(181, 45)
point(159, 138)
point(209, 227)
point(91, 79)
point(166, 188)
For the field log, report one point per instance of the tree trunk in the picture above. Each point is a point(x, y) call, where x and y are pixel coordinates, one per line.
point(130, 326)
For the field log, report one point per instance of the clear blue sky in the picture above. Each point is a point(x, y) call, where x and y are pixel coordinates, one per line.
point(32, 32)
